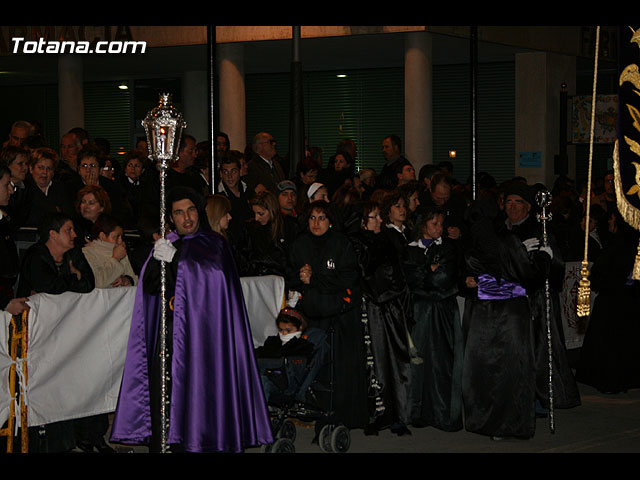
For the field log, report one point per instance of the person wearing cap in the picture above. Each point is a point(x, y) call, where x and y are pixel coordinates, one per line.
point(505, 366)
point(215, 397)
point(521, 220)
point(287, 197)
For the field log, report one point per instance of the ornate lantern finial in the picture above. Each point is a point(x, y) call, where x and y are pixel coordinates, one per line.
point(163, 126)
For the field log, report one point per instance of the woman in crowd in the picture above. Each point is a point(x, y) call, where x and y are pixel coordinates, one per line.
point(306, 174)
point(345, 203)
point(431, 268)
point(394, 214)
point(262, 251)
point(92, 200)
point(45, 194)
point(9, 259)
point(340, 170)
point(387, 302)
point(411, 193)
point(107, 254)
point(218, 208)
point(16, 159)
point(324, 269)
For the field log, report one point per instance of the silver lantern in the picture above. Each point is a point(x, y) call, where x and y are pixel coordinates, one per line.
point(163, 126)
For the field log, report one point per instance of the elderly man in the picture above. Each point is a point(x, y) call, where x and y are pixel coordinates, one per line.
point(506, 351)
point(216, 403)
point(19, 132)
point(70, 146)
point(264, 171)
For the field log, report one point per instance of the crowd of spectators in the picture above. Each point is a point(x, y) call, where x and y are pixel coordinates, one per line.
point(399, 245)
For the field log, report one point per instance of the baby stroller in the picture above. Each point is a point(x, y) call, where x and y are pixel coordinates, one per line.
point(298, 388)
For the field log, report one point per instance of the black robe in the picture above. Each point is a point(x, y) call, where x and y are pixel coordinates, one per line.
point(565, 388)
point(437, 335)
point(332, 301)
point(609, 359)
point(388, 306)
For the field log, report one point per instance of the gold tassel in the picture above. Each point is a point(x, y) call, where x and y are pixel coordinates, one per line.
point(584, 292)
point(636, 266)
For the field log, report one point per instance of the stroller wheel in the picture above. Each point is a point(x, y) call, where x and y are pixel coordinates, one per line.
point(287, 430)
point(340, 439)
point(324, 439)
point(283, 445)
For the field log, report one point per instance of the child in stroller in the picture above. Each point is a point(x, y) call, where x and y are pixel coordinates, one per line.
point(286, 360)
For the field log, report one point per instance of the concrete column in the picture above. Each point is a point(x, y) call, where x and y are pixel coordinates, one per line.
point(232, 97)
point(418, 70)
point(539, 77)
point(195, 104)
point(232, 94)
point(70, 92)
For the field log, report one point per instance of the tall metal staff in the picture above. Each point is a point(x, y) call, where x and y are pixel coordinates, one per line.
point(163, 126)
point(543, 199)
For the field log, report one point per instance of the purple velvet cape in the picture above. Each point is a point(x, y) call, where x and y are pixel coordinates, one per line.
point(217, 402)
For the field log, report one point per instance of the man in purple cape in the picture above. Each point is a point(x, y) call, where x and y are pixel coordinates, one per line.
point(216, 398)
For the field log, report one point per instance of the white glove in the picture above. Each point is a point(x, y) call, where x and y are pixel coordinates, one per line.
point(531, 244)
point(163, 250)
point(547, 250)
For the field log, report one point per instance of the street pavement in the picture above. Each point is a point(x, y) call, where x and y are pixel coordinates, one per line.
point(603, 423)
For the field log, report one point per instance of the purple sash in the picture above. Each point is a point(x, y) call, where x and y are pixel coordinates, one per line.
point(490, 289)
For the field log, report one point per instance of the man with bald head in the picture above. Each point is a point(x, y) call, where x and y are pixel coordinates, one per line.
point(264, 172)
point(20, 130)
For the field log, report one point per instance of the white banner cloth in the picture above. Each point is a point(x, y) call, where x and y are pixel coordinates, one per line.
point(78, 343)
point(77, 347)
point(264, 297)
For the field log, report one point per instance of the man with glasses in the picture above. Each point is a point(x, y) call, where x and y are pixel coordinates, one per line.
point(90, 160)
point(264, 172)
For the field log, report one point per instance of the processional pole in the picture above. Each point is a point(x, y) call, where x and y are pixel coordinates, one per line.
point(543, 199)
point(584, 287)
point(474, 81)
point(211, 57)
point(163, 126)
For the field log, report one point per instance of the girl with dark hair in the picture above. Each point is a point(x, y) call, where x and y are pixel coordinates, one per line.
point(340, 169)
point(431, 268)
